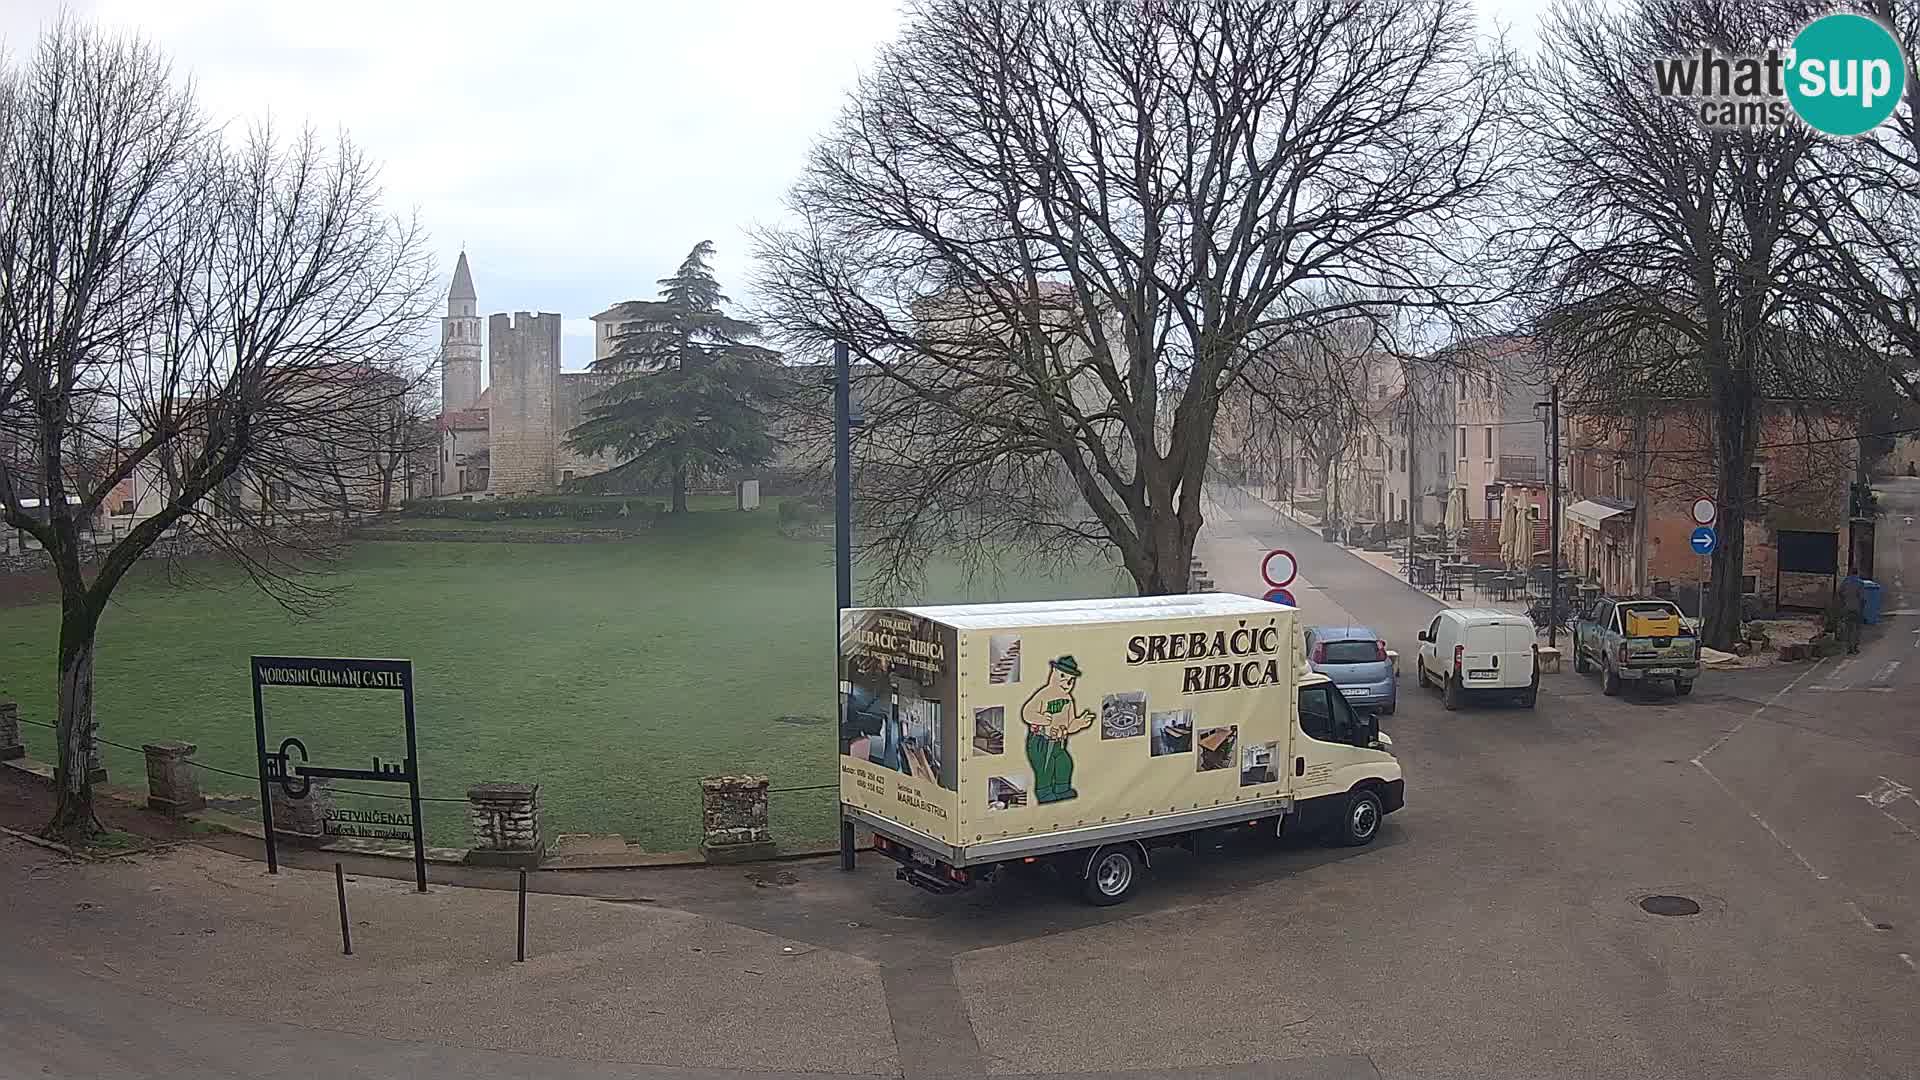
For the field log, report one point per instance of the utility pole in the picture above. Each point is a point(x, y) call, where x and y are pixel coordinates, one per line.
point(1407, 382)
point(842, 544)
point(1553, 512)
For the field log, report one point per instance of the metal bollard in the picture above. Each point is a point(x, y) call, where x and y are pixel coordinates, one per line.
point(340, 886)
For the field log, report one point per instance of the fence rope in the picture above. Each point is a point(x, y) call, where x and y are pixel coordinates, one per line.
point(255, 777)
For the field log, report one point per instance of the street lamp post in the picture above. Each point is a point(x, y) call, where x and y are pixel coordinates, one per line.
point(842, 545)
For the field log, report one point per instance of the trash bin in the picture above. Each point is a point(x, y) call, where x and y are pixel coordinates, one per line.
point(1869, 602)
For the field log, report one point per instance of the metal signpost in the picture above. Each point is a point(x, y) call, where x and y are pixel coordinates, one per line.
point(1704, 539)
point(296, 777)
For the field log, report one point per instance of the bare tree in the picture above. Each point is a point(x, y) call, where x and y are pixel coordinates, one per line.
point(1050, 229)
point(1679, 262)
point(215, 334)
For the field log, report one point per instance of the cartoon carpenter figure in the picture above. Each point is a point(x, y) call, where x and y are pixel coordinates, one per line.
point(1050, 718)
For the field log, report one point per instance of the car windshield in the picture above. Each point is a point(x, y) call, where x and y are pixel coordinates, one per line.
point(1350, 652)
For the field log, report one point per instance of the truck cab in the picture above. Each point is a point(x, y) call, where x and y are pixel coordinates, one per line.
point(1338, 753)
point(1636, 639)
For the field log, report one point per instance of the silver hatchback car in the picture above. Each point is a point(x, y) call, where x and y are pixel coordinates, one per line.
point(1355, 658)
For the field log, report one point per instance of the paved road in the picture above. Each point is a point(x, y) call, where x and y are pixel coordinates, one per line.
point(1493, 931)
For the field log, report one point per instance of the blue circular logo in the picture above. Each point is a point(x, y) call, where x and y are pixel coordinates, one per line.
point(1848, 74)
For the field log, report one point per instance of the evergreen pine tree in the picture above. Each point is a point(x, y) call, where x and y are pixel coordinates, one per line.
point(689, 390)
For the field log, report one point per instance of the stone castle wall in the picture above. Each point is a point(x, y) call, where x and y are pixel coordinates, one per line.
point(570, 408)
point(524, 367)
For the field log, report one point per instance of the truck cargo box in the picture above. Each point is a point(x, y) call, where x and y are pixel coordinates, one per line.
point(982, 732)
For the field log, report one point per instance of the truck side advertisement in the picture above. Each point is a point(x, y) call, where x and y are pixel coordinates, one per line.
point(1049, 727)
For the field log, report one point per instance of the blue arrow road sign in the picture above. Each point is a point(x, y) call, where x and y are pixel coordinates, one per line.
point(1281, 596)
point(1704, 538)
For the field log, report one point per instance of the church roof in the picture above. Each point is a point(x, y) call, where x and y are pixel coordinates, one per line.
point(462, 281)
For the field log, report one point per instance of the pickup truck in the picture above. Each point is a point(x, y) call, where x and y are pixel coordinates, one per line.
point(1635, 640)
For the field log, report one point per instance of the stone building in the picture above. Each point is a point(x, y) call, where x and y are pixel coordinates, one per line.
point(1631, 485)
point(510, 438)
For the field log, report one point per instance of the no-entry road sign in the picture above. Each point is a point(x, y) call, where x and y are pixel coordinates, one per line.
point(1279, 568)
point(1704, 512)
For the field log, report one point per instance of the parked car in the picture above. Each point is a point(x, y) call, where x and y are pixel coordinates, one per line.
point(1479, 651)
point(1355, 658)
point(1635, 639)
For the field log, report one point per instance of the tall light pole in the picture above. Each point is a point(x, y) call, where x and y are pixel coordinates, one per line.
point(842, 546)
point(1552, 405)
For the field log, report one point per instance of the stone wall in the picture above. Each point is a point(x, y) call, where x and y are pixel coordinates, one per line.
point(500, 535)
point(733, 818)
point(524, 364)
point(569, 408)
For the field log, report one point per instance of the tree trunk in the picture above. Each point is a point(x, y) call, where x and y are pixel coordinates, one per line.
point(73, 818)
point(1720, 611)
point(679, 489)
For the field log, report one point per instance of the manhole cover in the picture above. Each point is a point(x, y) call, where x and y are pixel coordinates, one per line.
point(1669, 905)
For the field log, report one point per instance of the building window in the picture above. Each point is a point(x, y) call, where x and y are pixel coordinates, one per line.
point(1489, 444)
point(1753, 482)
point(1462, 394)
point(1463, 438)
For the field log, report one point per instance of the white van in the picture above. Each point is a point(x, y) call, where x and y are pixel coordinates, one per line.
point(1479, 650)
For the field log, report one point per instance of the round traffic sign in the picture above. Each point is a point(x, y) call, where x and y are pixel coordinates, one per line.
point(1281, 596)
point(1279, 568)
point(1703, 540)
point(1704, 511)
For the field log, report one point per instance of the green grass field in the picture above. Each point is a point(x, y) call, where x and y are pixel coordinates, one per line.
point(615, 675)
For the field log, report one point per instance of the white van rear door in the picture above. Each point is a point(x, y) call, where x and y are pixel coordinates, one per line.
point(1480, 654)
point(1516, 662)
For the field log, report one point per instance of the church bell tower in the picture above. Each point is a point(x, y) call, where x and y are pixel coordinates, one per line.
point(460, 343)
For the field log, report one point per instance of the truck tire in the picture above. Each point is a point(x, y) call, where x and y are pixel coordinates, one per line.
point(1683, 687)
point(1110, 875)
point(1420, 672)
point(1609, 682)
point(1450, 694)
point(1360, 821)
point(1580, 666)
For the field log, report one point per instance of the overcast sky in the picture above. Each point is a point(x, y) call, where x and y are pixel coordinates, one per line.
point(576, 148)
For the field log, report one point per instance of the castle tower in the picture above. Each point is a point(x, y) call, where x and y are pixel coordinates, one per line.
point(460, 343)
point(524, 366)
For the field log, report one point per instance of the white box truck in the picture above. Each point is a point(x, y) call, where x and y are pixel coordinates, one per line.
point(1086, 733)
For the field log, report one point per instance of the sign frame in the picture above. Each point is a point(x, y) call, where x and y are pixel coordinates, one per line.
point(295, 780)
point(1292, 564)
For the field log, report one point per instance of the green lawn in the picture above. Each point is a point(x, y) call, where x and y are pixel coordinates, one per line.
point(614, 674)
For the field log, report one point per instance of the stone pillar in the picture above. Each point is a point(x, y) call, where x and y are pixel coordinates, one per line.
point(10, 745)
point(302, 821)
point(172, 786)
point(505, 819)
point(733, 818)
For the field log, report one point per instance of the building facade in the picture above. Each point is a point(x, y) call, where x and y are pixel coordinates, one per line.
point(1500, 437)
point(1633, 482)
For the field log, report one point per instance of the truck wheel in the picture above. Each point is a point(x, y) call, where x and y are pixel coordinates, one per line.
point(1527, 697)
point(1683, 688)
point(1110, 875)
point(1580, 662)
point(1360, 821)
point(1450, 694)
point(1420, 672)
point(1609, 682)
